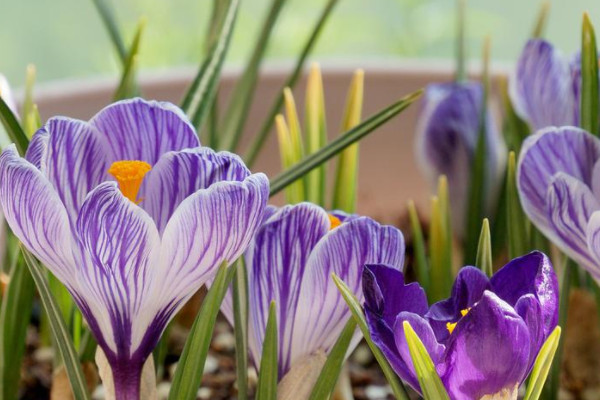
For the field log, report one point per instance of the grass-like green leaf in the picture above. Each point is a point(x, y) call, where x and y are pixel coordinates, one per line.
point(418, 241)
point(13, 128)
point(14, 319)
point(542, 365)
point(109, 20)
point(31, 115)
point(127, 86)
point(542, 18)
point(589, 77)
point(484, 249)
point(259, 140)
point(200, 96)
point(331, 370)
point(441, 266)
point(59, 330)
point(461, 70)
point(354, 135)
point(188, 374)
point(431, 384)
point(515, 130)
point(240, 327)
point(397, 387)
point(243, 93)
point(518, 243)
point(267, 378)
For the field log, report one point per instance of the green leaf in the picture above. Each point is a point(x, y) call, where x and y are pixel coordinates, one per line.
point(518, 243)
point(461, 70)
point(422, 268)
point(128, 86)
point(589, 77)
point(188, 374)
point(59, 331)
point(431, 384)
point(542, 18)
point(316, 133)
point(333, 366)
point(294, 192)
point(87, 349)
point(240, 328)
point(477, 193)
point(441, 266)
point(31, 115)
point(13, 128)
point(108, 18)
point(542, 365)
point(346, 182)
point(397, 387)
point(316, 159)
point(259, 140)
point(200, 96)
point(515, 130)
point(267, 378)
point(243, 93)
point(484, 249)
point(15, 314)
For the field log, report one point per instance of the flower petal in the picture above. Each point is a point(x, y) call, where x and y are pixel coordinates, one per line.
point(137, 129)
point(7, 95)
point(36, 215)
point(75, 161)
point(570, 205)
point(487, 352)
point(321, 316)
point(530, 274)
point(177, 175)
point(543, 155)
point(530, 310)
point(593, 239)
point(467, 290)
point(541, 89)
point(38, 146)
point(119, 249)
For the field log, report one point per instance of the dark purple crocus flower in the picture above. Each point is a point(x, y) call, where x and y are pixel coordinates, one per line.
point(133, 216)
point(558, 179)
point(546, 86)
point(483, 340)
point(446, 140)
point(290, 261)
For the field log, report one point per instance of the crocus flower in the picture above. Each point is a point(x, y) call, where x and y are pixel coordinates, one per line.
point(546, 86)
point(133, 216)
point(558, 179)
point(290, 261)
point(483, 340)
point(446, 140)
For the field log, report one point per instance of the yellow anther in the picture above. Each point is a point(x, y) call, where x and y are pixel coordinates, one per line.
point(451, 325)
point(334, 222)
point(129, 174)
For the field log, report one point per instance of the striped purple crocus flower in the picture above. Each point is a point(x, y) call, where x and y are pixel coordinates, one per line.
point(483, 340)
point(558, 180)
point(290, 261)
point(133, 216)
point(446, 141)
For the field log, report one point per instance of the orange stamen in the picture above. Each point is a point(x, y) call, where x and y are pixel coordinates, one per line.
point(129, 174)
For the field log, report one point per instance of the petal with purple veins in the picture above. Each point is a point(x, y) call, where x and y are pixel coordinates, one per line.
point(38, 146)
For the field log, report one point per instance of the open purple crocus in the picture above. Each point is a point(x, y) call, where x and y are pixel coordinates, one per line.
point(483, 340)
point(290, 261)
point(133, 216)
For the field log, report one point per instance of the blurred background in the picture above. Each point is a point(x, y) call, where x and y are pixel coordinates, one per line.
point(66, 39)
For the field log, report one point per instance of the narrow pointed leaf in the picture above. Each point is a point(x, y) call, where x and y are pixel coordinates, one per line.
point(346, 182)
point(431, 384)
point(441, 271)
point(542, 18)
point(461, 70)
point(108, 18)
point(259, 140)
point(589, 77)
point(542, 365)
point(13, 128)
point(188, 374)
point(517, 223)
point(59, 331)
point(267, 377)
point(200, 96)
point(316, 159)
point(294, 193)
point(515, 130)
point(31, 116)
point(484, 249)
point(397, 387)
point(240, 327)
point(243, 93)
point(128, 86)
point(333, 366)
point(418, 242)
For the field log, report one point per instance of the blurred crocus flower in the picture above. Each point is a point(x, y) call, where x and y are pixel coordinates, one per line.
point(7, 95)
point(558, 180)
point(483, 340)
point(133, 216)
point(546, 86)
point(447, 132)
point(290, 261)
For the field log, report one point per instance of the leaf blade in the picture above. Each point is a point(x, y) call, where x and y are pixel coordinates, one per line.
point(589, 77)
point(542, 365)
point(267, 378)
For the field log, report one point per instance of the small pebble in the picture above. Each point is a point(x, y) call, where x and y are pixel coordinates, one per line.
point(377, 392)
point(98, 393)
point(162, 390)
point(224, 342)
point(362, 355)
point(204, 393)
point(44, 354)
point(211, 364)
